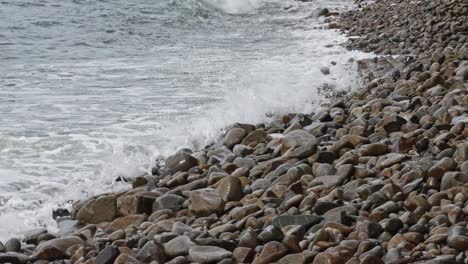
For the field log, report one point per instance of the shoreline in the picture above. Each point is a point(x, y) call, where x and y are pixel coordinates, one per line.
point(379, 176)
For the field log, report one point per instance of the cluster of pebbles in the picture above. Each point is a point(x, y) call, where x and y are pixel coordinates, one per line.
point(377, 176)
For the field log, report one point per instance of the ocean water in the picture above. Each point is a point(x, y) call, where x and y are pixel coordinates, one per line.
point(95, 89)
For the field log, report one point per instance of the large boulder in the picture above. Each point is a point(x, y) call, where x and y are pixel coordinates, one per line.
point(181, 161)
point(57, 248)
point(296, 139)
point(168, 201)
point(220, 155)
point(234, 136)
point(97, 210)
point(205, 202)
point(230, 189)
point(254, 138)
point(136, 202)
point(13, 245)
point(178, 246)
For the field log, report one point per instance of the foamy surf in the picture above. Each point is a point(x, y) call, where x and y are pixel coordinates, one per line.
point(235, 6)
point(74, 125)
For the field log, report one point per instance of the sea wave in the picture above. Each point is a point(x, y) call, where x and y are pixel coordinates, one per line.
point(175, 73)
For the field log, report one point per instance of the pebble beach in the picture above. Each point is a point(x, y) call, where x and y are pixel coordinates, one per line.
point(377, 175)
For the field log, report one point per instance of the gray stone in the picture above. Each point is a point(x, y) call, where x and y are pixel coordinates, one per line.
point(234, 136)
point(107, 255)
point(376, 149)
point(178, 246)
point(208, 254)
point(205, 202)
point(244, 162)
point(116, 235)
point(457, 238)
point(57, 248)
point(325, 157)
point(271, 233)
point(181, 228)
point(13, 245)
point(453, 179)
point(151, 251)
point(305, 221)
point(296, 139)
point(329, 180)
point(390, 159)
point(248, 240)
point(242, 151)
point(13, 258)
point(325, 70)
point(324, 169)
point(462, 152)
point(179, 260)
point(271, 252)
point(303, 151)
point(322, 207)
point(168, 201)
point(441, 167)
point(220, 155)
point(393, 225)
point(323, 12)
point(230, 189)
point(260, 184)
point(372, 229)
point(31, 236)
point(98, 210)
point(254, 138)
point(181, 161)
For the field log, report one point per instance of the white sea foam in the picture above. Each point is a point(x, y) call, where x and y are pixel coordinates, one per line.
point(235, 6)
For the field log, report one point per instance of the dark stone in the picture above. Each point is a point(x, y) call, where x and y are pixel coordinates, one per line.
point(32, 236)
point(60, 212)
point(13, 245)
point(151, 251)
point(168, 201)
point(234, 136)
point(323, 12)
point(322, 207)
point(372, 229)
point(107, 255)
point(458, 238)
point(271, 233)
point(394, 124)
point(9, 258)
point(57, 248)
point(325, 70)
point(325, 157)
point(393, 225)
